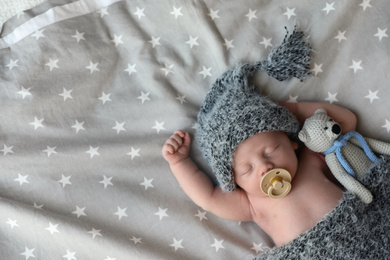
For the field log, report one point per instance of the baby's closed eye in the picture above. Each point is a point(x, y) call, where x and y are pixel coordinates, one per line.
point(244, 169)
point(270, 150)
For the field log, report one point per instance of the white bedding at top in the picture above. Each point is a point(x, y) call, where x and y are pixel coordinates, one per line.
point(9, 8)
point(90, 91)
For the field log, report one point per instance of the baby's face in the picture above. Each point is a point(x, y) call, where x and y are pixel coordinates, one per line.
point(261, 153)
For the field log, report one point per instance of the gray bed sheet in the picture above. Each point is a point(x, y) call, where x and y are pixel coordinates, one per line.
point(90, 91)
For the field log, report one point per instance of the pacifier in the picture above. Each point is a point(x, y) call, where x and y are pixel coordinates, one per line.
point(276, 183)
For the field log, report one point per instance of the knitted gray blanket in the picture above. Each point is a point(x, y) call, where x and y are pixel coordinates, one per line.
point(353, 230)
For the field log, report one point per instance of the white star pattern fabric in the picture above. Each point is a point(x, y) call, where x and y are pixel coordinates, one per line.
point(91, 89)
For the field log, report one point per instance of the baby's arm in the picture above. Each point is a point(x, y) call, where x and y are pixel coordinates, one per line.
point(341, 115)
point(197, 185)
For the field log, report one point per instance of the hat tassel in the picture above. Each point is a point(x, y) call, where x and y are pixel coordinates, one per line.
point(289, 59)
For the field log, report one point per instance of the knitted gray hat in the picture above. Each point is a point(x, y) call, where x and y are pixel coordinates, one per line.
point(233, 110)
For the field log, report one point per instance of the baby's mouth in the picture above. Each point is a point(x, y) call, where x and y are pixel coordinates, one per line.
point(276, 183)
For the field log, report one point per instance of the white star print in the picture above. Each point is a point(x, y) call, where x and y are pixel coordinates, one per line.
point(105, 97)
point(65, 180)
point(159, 126)
point(176, 244)
point(70, 255)
point(52, 228)
point(79, 212)
point(147, 183)
point(117, 40)
point(119, 127)
point(251, 15)
point(289, 13)
point(130, 69)
point(292, 99)
point(387, 125)
point(28, 253)
point(259, 248)
point(365, 4)
point(12, 64)
point(228, 44)
point(92, 67)
point(24, 92)
point(93, 151)
point(140, 13)
point(136, 240)
point(217, 244)
point(176, 12)
point(356, 66)
point(144, 96)
point(372, 95)
point(103, 12)
point(66, 94)
point(155, 41)
point(78, 126)
point(201, 215)
point(329, 7)
point(7, 149)
point(37, 123)
point(213, 14)
point(106, 181)
point(36, 206)
point(134, 153)
point(95, 232)
point(50, 150)
point(341, 36)
point(317, 69)
point(38, 34)
point(109, 258)
point(12, 223)
point(181, 98)
point(22, 179)
point(331, 98)
point(205, 72)
point(266, 42)
point(79, 36)
point(168, 69)
point(161, 213)
point(381, 33)
point(121, 213)
point(192, 41)
point(52, 64)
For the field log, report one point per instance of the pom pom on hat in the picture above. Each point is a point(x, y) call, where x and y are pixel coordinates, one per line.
point(233, 110)
point(289, 59)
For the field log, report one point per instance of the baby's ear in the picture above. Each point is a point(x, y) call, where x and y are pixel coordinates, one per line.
point(295, 145)
point(303, 136)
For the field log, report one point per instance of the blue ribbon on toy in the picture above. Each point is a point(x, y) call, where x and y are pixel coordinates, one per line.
point(342, 141)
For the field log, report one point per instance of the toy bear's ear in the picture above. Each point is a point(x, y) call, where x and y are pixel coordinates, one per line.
point(320, 111)
point(303, 136)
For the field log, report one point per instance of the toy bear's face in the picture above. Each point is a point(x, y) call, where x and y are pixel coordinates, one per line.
point(319, 131)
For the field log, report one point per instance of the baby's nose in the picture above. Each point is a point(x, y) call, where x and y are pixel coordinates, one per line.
point(266, 168)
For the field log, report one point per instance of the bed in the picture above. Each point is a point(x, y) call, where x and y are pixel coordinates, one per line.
point(91, 89)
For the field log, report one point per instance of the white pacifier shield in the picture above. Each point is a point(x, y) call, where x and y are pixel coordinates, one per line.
point(276, 183)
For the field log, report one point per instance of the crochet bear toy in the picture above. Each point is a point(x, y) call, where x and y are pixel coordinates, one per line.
point(348, 156)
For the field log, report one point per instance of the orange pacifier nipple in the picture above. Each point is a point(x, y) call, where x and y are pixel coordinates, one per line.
point(276, 183)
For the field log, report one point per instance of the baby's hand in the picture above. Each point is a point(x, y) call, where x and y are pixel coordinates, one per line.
point(177, 147)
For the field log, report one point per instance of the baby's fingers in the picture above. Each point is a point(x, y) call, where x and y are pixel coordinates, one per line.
point(173, 143)
point(177, 139)
point(168, 149)
point(179, 133)
point(177, 146)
